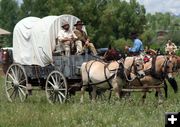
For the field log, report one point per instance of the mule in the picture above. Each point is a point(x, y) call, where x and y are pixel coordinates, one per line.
point(156, 70)
point(103, 76)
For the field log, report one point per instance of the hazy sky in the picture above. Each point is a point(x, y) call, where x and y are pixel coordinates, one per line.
point(152, 6)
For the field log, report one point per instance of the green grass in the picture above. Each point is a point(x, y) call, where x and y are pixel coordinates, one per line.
point(37, 112)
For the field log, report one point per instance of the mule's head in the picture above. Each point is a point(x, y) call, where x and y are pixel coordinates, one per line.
point(112, 54)
point(168, 67)
point(138, 65)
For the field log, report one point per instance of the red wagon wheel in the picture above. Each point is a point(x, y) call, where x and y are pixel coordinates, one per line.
point(16, 83)
point(56, 87)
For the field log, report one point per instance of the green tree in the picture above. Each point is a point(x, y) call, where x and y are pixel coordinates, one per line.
point(26, 8)
point(9, 11)
point(40, 8)
point(119, 19)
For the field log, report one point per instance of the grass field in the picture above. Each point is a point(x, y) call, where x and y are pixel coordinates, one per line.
point(37, 112)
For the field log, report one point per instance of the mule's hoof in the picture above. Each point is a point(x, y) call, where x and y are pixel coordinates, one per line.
point(160, 102)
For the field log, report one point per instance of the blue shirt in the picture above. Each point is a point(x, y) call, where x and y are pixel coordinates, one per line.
point(137, 46)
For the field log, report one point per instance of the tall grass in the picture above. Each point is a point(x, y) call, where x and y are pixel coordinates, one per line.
point(37, 112)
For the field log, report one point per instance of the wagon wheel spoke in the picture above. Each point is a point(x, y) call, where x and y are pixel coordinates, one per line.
point(9, 82)
point(21, 86)
point(24, 80)
point(56, 78)
point(16, 92)
point(60, 99)
point(51, 84)
point(50, 89)
point(61, 85)
point(12, 93)
point(22, 91)
point(10, 88)
point(54, 98)
point(53, 80)
point(16, 73)
point(19, 73)
point(50, 95)
point(13, 74)
point(62, 89)
point(19, 91)
point(62, 94)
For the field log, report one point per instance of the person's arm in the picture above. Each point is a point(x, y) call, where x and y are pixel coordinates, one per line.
point(79, 36)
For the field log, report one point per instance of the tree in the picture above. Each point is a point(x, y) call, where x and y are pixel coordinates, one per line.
point(26, 8)
point(119, 19)
point(8, 14)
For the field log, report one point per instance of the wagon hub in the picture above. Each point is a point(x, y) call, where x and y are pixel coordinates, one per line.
point(56, 89)
point(16, 84)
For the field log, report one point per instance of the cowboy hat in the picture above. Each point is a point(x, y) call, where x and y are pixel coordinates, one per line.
point(64, 22)
point(79, 23)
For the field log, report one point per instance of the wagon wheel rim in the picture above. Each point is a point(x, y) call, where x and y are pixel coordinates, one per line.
point(56, 87)
point(16, 83)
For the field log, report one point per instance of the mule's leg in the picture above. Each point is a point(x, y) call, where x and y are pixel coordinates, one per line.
point(116, 88)
point(160, 97)
point(94, 93)
point(144, 97)
point(84, 80)
point(165, 90)
point(82, 94)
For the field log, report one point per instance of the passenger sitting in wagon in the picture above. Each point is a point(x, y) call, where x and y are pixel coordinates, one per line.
point(65, 38)
point(82, 40)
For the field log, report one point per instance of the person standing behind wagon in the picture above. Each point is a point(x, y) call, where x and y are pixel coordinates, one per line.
point(82, 40)
point(65, 37)
point(170, 48)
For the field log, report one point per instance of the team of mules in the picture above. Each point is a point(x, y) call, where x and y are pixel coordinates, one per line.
point(128, 74)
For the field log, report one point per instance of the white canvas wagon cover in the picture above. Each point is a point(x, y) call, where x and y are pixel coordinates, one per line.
point(34, 39)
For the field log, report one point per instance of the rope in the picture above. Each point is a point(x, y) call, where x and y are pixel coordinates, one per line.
point(47, 58)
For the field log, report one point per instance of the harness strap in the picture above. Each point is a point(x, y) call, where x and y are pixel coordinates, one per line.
point(110, 86)
point(153, 69)
point(88, 70)
point(106, 79)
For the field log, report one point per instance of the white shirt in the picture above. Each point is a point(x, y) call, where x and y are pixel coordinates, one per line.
point(62, 34)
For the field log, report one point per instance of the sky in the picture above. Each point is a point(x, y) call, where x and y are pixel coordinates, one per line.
point(152, 6)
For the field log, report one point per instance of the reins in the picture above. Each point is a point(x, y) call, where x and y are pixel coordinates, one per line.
point(130, 71)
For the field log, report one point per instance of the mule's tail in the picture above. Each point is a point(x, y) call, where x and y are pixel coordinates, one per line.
point(173, 83)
